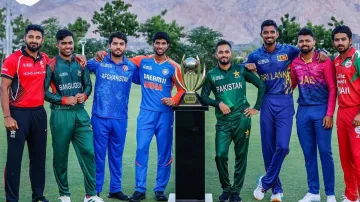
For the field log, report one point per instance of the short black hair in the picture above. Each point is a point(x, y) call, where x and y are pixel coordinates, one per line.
point(62, 33)
point(222, 42)
point(161, 35)
point(341, 29)
point(305, 31)
point(268, 23)
point(118, 35)
point(34, 27)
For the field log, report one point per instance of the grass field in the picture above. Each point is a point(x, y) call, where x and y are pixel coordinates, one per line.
point(293, 173)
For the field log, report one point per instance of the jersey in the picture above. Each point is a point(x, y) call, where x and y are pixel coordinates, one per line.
point(274, 68)
point(27, 75)
point(229, 87)
point(112, 87)
point(316, 82)
point(66, 78)
point(348, 78)
point(157, 81)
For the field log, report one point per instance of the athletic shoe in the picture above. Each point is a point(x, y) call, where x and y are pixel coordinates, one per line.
point(309, 197)
point(224, 197)
point(137, 196)
point(160, 196)
point(64, 199)
point(259, 192)
point(347, 200)
point(93, 199)
point(331, 198)
point(119, 195)
point(276, 197)
point(235, 197)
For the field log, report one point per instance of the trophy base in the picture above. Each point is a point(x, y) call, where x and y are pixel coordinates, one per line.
point(190, 99)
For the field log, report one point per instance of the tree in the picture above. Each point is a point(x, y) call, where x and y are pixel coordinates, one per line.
point(202, 42)
point(115, 17)
point(175, 31)
point(2, 23)
point(288, 30)
point(322, 36)
point(51, 26)
point(334, 22)
point(19, 24)
point(79, 28)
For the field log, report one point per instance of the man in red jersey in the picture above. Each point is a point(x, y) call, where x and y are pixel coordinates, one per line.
point(22, 100)
point(347, 66)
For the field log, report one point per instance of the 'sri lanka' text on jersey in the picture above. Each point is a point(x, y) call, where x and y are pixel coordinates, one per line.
point(274, 68)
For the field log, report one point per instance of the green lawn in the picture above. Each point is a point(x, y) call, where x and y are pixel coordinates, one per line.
point(293, 172)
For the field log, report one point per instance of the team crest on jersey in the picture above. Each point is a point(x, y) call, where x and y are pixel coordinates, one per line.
point(348, 64)
point(125, 68)
point(357, 131)
point(264, 61)
point(79, 72)
point(236, 74)
point(283, 57)
point(165, 71)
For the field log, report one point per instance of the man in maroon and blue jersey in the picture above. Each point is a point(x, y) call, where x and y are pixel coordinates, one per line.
point(314, 118)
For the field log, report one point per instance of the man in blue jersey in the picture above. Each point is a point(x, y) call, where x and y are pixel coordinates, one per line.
point(157, 78)
point(110, 112)
point(272, 63)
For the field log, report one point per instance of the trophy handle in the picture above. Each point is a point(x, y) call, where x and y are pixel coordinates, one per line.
point(181, 84)
point(202, 79)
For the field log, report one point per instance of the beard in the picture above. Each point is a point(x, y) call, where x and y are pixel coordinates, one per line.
point(344, 50)
point(117, 55)
point(33, 48)
point(306, 51)
point(269, 43)
point(159, 54)
point(224, 62)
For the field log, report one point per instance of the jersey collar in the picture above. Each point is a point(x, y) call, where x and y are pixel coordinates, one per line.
point(277, 46)
point(38, 57)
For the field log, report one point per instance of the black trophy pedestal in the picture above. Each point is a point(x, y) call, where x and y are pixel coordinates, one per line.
point(190, 153)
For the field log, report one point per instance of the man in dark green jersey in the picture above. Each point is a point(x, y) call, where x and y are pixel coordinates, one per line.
point(69, 121)
point(227, 81)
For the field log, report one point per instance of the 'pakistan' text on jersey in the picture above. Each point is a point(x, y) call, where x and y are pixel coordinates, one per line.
point(112, 87)
point(66, 78)
point(157, 81)
point(274, 68)
point(229, 87)
point(348, 78)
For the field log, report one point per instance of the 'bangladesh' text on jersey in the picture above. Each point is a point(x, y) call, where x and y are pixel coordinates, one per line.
point(157, 81)
point(274, 68)
point(348, 78)
point(112, 87)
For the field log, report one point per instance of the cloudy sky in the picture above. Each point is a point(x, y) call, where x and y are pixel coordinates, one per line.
point(27, 2)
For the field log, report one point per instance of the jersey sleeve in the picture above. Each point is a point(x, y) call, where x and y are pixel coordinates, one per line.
point(136, 76)
point(252, 78)
point(92, 65)
point(293, 52)
point(86, 82)
point(329, 73)
point(51, 97)
point(9, 68)
point(205, 93)
point(179, 91)
point(137, 59)
point(293, 76)
point(250, 59)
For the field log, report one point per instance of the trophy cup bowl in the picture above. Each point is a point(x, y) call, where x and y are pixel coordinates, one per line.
point(193, 76)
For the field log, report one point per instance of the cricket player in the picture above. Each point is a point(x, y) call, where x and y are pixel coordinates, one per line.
point(347, 66)
point(272, 63)
point(110, 112)
point(314, 118)
point(69, 121)
point(25, 120)
point(227, 82)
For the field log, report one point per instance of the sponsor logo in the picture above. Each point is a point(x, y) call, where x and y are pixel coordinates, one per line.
point(33, 73)
point(154, 78)
point(4, 69)
point(147, 67)
point(63, 74)
point(264, 61)
point(165, 71)
point(297, 67)
point(357, 131)
point(106, 65)
point(27, 65)
point(283, 57)
point(217, 78)
point(12, 133)
point(42, 64)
